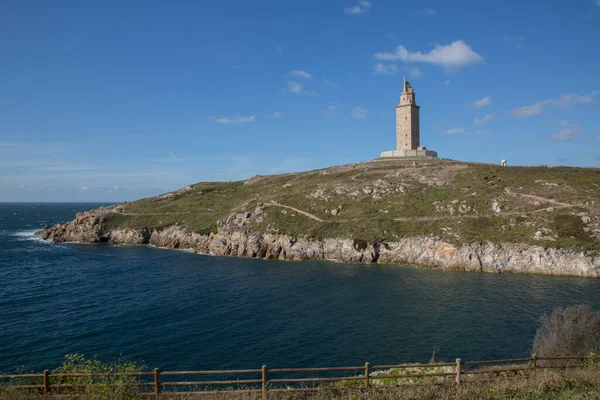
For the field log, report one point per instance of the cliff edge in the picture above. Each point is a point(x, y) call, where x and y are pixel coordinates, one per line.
point(429, 213)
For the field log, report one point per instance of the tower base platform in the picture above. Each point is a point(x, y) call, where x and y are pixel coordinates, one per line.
point(421, 153)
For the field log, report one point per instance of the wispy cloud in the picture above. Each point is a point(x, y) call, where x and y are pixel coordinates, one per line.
point(447, 82)
point(457, 131)
point(484, 120)
point(430, 11)
point(275, 115)
point(385, 69)
point(294, 87)
point(452, 56)
point(359, 113)
point(568, 133)
point(563, 102)
point(518, 41)
point(486, 101)
point(597, 2)
point(528, 111)
point(330, 110)
point(298, 73)
point(235, 120)
point(32, 148)
point(414, 72)
point(331, 83)
point(361, 7)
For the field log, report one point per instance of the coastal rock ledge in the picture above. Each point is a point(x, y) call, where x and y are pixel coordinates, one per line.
point(427, 252)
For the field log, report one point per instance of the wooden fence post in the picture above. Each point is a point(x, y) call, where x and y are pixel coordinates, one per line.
point(533, 361)
point(156, 381)
point(367, 375)
point(458, 371)
point(46, 382)
point(264, 382)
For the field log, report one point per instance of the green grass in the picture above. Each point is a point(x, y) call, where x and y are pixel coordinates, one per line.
point(362, 216)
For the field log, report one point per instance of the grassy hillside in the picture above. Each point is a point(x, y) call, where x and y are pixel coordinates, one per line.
point(387, 200)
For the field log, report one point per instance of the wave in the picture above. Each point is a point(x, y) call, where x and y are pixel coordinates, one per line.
point(28, 234)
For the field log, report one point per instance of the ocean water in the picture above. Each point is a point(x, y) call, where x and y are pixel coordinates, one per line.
point(175, 310)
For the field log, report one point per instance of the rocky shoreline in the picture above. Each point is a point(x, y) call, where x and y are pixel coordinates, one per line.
point(427, 252)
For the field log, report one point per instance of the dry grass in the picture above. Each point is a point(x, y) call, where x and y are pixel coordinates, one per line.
point(542, 384)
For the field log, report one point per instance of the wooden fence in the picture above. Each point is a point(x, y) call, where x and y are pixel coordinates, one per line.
point(267, 380)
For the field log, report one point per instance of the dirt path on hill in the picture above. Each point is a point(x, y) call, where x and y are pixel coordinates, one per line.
point(309, 215)
point(353, 177)
point(119, 210)
point(538, 198)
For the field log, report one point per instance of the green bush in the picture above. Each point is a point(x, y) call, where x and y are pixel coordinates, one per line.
point(113, 387)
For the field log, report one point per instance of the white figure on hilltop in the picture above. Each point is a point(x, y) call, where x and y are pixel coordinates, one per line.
point(503, 163)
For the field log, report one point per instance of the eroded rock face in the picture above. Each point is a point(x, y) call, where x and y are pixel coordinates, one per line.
point(129, 236)
point(87, 227)
point(426, 252)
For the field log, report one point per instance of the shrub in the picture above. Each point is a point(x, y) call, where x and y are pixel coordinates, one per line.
point(568, 331)
point(113, 387)
point(570, 226)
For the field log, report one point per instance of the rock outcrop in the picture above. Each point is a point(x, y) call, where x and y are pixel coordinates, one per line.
point(429, 252)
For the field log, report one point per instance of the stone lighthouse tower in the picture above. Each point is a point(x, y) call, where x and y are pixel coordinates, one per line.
point(408, 134)
point(407, 120)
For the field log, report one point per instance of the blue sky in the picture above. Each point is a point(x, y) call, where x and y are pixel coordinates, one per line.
point(117, 100)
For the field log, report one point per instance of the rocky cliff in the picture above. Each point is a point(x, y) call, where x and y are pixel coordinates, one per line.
point(430, 252)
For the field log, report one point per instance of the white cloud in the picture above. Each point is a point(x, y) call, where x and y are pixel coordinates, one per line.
point(301, 74)
point(359, 113)
point(275, 115)
point(414, 72)
point(360, 8)
point(568, 133)
point(486, 101)
point(384, 69)
point(528, 111)
point(447, 82)
point(83, 188)
point(563, 102)
point(454, 55)
point(483, 133)
point(235, 120)
point(457, 131)
point(567, 100)
point(484, 120)
point(430, 11)
point(294, 87)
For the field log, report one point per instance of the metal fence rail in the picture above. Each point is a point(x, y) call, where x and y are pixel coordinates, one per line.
point(262, 380)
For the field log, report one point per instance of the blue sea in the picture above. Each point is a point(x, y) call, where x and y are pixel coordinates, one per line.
point(175, 310)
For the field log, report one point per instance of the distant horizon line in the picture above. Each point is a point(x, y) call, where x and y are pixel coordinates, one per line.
point(61, 202)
